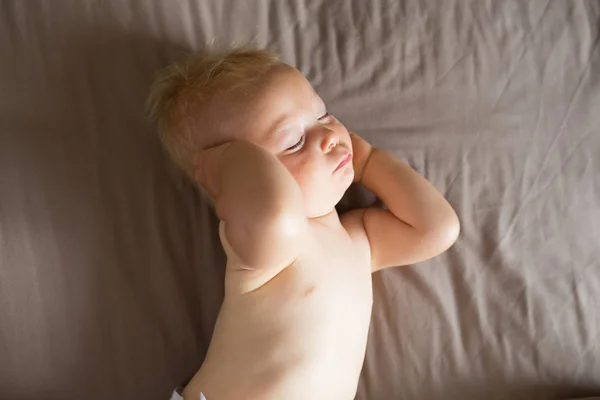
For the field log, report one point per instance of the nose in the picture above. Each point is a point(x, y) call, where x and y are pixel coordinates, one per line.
point(329, 141)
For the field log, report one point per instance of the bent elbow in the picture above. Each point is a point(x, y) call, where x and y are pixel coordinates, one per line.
point(443, 235)
point(451, 230)
point(447, 231)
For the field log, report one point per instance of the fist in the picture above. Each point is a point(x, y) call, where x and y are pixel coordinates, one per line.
point(361, 152)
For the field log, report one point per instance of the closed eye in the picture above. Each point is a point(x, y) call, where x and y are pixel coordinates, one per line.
point(324, 116)
point(298, 145)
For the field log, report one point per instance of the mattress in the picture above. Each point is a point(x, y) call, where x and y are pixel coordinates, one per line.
point(111, 270)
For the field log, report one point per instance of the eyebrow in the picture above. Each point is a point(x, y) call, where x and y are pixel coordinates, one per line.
point(275, 128)
point(275, 136)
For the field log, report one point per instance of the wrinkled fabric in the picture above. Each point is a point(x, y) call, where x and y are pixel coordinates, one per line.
point(111, 270)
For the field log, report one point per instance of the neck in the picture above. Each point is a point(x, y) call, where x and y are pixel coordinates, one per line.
point(331, 219)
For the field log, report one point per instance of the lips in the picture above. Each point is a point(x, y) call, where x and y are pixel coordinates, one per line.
point(344, 161)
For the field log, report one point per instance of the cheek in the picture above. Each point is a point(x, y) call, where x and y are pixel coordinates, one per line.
point(345, 135)
point(304, 171)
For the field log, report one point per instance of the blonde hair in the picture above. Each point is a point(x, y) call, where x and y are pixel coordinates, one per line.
point(180, 89)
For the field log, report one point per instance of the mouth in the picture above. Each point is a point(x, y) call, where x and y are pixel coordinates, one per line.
point(344, 161)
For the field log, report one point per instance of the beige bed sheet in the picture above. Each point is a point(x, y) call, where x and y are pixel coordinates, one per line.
point(111, 271)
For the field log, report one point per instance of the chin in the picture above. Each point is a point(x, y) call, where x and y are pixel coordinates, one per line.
point(331, 196)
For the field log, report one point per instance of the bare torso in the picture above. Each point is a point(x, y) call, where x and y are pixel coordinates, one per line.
point(302, 334)
point(296, 313)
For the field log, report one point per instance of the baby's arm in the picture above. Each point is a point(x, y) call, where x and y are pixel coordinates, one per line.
point(258, 201)
point(420, 223)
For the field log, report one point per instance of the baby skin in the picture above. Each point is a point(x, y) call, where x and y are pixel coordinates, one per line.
point(298, 289)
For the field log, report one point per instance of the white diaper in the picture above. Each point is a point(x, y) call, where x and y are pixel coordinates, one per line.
point(177, 396)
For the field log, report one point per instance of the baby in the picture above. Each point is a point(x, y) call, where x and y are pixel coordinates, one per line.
point(252, 132)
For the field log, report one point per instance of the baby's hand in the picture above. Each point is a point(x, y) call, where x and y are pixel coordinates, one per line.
point(253, 191)
point(206, 168)
point(361, 152)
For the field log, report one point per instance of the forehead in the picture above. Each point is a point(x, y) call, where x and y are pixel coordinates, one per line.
point(251, 110)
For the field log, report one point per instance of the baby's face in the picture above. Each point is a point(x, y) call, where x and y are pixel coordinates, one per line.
point(284, 115)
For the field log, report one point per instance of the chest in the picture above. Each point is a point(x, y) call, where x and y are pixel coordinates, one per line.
point(338, 268)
